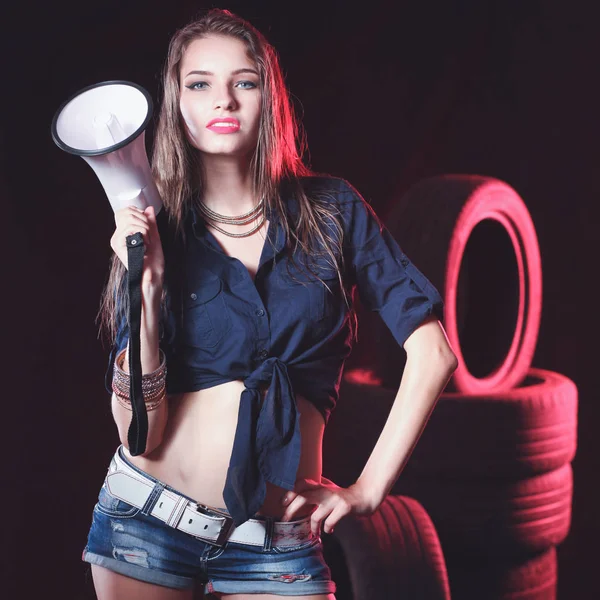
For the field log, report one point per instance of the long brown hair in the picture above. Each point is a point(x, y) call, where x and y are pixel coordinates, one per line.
point(277, 160)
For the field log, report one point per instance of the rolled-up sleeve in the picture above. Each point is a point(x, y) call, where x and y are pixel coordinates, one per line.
point(387, 281)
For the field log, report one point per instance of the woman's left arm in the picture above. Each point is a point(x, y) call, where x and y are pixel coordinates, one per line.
point(429, 365)
point(411, 307)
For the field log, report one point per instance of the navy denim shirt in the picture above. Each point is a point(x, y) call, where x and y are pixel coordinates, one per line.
point(284, 330)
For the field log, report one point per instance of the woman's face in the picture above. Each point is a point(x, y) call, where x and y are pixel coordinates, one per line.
point(220, 97)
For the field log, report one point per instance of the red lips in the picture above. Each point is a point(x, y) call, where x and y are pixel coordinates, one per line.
point(233, 125)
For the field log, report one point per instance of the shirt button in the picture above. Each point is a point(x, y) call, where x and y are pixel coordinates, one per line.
point(404, 262)
point(193, 296)
point(263, 353)
point(260, 312)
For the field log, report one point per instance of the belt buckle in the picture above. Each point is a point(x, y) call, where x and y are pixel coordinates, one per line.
point(226, 527)
point(225, 531)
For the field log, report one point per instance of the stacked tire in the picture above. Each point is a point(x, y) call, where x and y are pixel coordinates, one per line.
point(394, 553)
point(493, 466)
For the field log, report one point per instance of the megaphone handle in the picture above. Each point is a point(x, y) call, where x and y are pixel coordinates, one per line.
point(138, 429)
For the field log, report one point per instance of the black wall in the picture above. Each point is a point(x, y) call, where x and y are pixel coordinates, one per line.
point(506, 89)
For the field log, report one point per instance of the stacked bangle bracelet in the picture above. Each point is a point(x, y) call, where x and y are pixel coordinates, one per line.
point(153, 384)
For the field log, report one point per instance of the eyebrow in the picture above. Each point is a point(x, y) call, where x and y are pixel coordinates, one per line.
point(236, 72)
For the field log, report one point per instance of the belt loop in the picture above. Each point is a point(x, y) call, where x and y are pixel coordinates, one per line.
point(269, 526)
point(153, 498)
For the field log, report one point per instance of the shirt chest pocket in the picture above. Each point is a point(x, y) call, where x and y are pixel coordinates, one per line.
point(314, 302)
point(205, 317)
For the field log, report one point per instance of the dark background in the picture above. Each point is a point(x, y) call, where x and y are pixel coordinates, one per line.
point(390, 93)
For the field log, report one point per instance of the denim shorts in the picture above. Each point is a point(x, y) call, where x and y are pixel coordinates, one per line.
point(130, 541)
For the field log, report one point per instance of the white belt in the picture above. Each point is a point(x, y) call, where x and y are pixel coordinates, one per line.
point(208, 524)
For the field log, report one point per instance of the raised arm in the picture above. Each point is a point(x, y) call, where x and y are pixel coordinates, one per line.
point(129, 221)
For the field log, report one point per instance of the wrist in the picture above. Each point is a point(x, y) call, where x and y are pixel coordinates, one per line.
point(370, 497)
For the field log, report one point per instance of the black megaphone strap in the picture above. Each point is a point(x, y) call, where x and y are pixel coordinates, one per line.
point(138, 429)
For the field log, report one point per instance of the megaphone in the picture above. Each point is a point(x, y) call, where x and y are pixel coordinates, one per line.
point(106, 124)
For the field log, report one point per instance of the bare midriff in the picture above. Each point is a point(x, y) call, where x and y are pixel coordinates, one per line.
point(194, 455)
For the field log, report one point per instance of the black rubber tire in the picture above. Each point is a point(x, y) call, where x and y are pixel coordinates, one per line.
point(394, 553)
point(533, 578)
point(526, 431)
point(501, 518)
point(478, 228)
point(519, 433)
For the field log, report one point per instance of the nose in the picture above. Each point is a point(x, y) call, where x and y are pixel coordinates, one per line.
point(225, 99)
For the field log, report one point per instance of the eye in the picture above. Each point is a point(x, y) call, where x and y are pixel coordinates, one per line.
point(193, 86)
point(251, 84)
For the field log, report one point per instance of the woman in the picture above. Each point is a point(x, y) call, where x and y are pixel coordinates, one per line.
point(247, 301)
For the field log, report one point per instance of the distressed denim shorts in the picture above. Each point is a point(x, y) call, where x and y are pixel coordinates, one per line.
point(130, 541)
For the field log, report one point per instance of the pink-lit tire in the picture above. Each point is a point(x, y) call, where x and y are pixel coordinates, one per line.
point(521, 432)
point(532, 578)
point(518, 433)
point(394, 553)
point(497, 517)
point(481, 225)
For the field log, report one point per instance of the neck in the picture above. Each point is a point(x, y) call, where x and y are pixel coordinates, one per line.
point(227, 186)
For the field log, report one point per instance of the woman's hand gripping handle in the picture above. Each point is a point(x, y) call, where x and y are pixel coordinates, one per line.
point(131, 220)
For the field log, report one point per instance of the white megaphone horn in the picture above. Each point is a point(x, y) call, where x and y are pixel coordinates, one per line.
point(105, 124)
